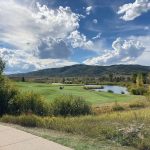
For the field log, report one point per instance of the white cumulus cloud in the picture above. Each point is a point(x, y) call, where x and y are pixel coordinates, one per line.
point(80, 40)
point(88, 10)
point(144, 58)
point(33, 36)
point(98, 36)
point(19, 61)
point(131, 11)
point(124, 51)
point(95, 21)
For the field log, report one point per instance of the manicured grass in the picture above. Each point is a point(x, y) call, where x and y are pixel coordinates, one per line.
point(50, 92)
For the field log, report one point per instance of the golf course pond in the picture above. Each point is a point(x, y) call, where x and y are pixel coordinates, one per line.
point(114, 89)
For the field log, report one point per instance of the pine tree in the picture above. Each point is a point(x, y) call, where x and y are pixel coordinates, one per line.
point(23, 79)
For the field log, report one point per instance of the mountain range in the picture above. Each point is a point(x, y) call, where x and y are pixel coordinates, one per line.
point(86, 70)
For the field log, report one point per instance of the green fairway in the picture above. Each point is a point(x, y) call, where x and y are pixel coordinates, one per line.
point(50, 92)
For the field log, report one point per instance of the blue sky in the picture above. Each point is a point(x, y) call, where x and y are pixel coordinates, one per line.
point(38, 34)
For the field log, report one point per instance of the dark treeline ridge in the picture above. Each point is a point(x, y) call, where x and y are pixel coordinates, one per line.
point(86, 70)
point(84, 74)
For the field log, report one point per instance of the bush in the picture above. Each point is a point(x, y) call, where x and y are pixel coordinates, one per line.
point(28, 103)
point(131, 136)
point(129, 128)
point(122, 92)
point(138, 91)
point(29, 120)
point(144, 145)
point(117, 107)
point(110, 91)
point(101, 109)
point(9, 119)
point(23, 120)
point(2, 66)
point(147, 95)
point(14, 102)
point(70, 105)
point(7, 93)
point(137, 104)
point(86, 87)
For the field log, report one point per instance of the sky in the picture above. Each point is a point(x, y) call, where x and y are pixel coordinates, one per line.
point(39, 34)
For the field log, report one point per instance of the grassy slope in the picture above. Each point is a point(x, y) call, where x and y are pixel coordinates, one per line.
point(97, 130)
point(52, 91)
point(76, 142)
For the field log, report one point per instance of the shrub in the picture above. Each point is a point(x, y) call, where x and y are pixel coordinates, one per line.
point(23, 120)
point(2, 66)
point(147, 95)
point(138, 91)
point(122, 92)
point(117, 107)
point(101, 109)
point(9, 119)
point(110, 91)
point(93, 87)
point(131, 136)
point(127, 128)
point(29, 120)
point(7, 93)
point(70, 105)
point(144, 145)
point(137, 104)
point(14, 102)
point(28, 103)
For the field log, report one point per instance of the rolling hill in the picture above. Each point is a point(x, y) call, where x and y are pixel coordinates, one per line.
point(86, 70)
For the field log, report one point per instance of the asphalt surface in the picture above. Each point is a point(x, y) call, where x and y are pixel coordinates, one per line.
point(13, 139)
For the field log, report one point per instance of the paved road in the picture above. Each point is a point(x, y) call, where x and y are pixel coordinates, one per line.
point(13, 139)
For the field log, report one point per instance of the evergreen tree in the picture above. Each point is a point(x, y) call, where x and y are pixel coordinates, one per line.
point(23, 79)
point(145, 75)
point(111, 77)
point(134, 77)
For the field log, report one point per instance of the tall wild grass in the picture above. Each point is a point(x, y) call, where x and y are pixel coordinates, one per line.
point(127, 128)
